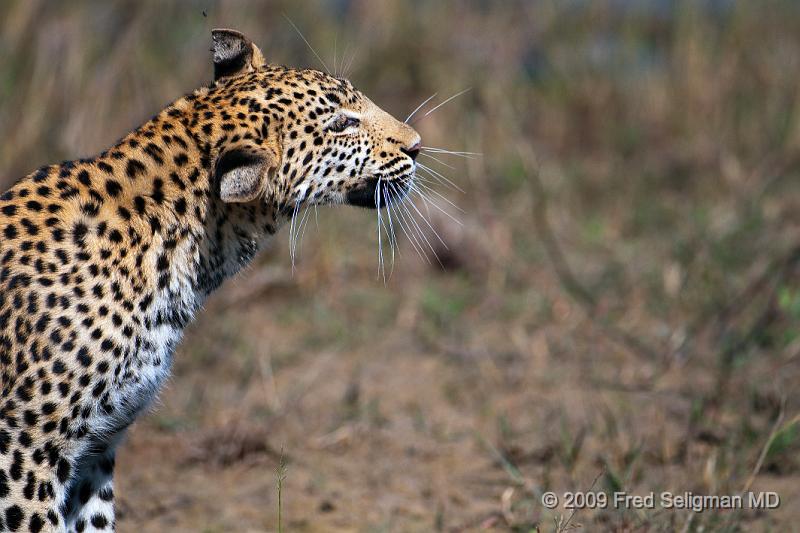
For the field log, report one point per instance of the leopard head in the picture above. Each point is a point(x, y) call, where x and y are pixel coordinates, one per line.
point(300, 137)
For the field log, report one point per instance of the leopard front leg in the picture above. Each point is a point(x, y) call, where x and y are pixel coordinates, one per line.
point(90, 500)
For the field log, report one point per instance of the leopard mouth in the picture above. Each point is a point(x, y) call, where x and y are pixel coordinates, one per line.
point(391, 192)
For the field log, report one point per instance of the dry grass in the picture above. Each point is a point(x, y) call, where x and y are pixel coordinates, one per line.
point(622, 299)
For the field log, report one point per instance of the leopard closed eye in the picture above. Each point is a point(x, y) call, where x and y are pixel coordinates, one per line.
point(104, 261)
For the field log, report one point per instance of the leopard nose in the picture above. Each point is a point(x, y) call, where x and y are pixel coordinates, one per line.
point(412, 151)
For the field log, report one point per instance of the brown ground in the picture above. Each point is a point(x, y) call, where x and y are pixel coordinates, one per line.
point(620, 305)
point(385, 426)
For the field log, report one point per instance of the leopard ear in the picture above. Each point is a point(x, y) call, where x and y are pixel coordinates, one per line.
point(234, 54)
point(243, 173)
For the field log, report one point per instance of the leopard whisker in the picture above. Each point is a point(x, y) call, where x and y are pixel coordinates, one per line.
point(292, 223)
point(421, 183)
point(387, 202)
point(307, 43)
point(303, 224)
point(406, 227)
point(429, 180)
point(415, 229)
point(443, 103)
point(381, 265)
point(470, 157)
point(419, 177)
point(466, 155)
point(350, 62)
point(430, 202)
point(343, 66)
point(429, 156)
point(441, 177)
point(420, 231)
point(390, 231)
point(427, 222)
point(298, 231)
point(335, 42)
point(380, 196)
point(420, 106)
point(382, 192)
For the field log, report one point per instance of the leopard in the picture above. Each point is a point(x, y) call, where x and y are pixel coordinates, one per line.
point(104, 261)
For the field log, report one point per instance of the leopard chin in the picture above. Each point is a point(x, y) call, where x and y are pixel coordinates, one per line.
point(392, 192)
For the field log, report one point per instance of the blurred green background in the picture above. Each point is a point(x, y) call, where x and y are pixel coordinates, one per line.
point(618, 303)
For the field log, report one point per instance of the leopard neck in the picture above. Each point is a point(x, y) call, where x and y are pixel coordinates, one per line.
point(145, 221)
